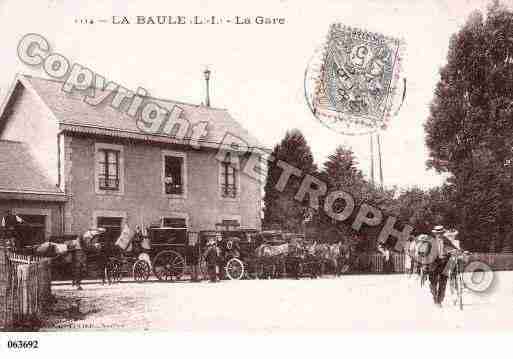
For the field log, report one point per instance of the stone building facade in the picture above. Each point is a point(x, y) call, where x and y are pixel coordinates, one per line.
point(92, 166)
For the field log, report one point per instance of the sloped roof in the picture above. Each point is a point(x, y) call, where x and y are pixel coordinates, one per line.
point(20, 172)
point(74, 114)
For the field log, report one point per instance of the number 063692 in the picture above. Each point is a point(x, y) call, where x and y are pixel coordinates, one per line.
point(22, 344)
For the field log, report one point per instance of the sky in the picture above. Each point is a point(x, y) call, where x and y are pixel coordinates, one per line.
point(257, 70)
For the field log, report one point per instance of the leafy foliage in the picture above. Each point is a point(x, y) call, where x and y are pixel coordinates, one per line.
point(469, 130)
point(281, 209)
point(340, 172)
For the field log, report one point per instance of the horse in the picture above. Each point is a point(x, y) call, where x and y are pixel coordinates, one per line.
point(272, 258)
point(312, 263)
point(76, 251)
point(333, 258)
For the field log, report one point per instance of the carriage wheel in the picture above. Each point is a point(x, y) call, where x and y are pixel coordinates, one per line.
point(168, 264)
point(114, 270)
point(234, 269)
point(141, 270)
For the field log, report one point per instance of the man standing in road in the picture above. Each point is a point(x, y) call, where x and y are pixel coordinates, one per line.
point(442, 247)
point(212, 258)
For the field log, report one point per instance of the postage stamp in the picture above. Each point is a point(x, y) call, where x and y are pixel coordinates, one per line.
point(355, 83)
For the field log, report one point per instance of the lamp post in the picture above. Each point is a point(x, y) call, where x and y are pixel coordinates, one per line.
point(207, 78)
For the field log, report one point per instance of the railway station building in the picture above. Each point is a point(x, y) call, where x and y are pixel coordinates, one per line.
point(67, 166)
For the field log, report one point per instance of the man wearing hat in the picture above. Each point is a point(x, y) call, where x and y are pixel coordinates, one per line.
point(443, 244)
point(212, 259)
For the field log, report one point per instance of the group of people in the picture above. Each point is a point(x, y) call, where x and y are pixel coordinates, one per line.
point(428, 255)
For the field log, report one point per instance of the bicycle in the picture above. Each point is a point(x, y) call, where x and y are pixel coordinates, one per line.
point(456, 282)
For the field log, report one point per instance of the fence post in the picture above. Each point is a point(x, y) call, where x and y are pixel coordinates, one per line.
point(25, 287)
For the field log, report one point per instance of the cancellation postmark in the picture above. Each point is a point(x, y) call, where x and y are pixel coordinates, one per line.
point(351, 84)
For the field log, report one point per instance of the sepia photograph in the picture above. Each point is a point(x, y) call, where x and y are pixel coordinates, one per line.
point(254, 168)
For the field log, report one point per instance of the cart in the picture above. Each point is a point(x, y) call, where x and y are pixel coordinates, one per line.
point(270, 254)
point(234, 247)
point(169, 249)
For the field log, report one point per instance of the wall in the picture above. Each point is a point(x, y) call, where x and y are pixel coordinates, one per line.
point(143, 198)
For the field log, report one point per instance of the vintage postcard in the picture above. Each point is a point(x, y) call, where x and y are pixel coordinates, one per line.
point(272, 167)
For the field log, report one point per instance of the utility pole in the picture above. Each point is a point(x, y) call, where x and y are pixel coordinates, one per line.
point(379, 161)
point(372, 159)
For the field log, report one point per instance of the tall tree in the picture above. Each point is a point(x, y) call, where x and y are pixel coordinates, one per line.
point(281, 209)
point(340, 172)
point(469, 132)
point(423, 209)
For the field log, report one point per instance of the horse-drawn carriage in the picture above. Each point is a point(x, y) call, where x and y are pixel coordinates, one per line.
point(271, 254)
point(167, 251)
point(164, 254)
point(232, 247)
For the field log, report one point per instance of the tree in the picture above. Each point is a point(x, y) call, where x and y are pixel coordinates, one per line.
point(281, 209)
point(469, 132)
point(340, 172)
point(423, 209)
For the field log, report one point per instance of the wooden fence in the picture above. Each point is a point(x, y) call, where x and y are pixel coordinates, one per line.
point(25, 288)
point(374, 263)
point(496, 261)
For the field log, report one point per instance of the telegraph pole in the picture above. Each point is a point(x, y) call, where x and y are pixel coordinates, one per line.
point(379, 161)
point(372, 159)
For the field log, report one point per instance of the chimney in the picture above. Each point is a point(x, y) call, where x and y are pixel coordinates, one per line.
point(207, 78)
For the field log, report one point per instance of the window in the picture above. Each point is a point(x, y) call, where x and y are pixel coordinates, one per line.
point(112, 226)
point(174, 176)
point(228, 224)
point(109, 169)
point(174, 222)
point(108, 175)
point(228, 180)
